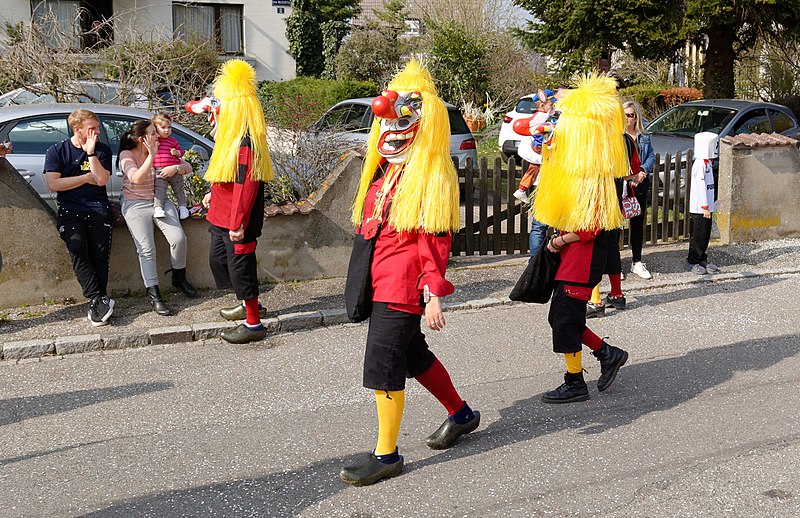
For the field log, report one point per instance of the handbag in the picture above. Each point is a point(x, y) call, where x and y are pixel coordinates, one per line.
point(630, 204)
point(539, 278)
point(358, 286)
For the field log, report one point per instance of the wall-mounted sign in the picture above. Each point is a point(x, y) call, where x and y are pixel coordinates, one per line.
point(281, 10)
point(287, 3)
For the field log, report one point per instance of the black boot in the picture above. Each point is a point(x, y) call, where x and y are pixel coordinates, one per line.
point(180, 282)
point(155, 300)
point(611, 359)
point(574, 389)
point(368, 469)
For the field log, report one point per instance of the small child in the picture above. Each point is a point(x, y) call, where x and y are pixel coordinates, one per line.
point(701, 203)
point(169, 154)
point(531, 149)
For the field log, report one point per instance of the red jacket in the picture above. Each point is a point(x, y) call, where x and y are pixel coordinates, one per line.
point(241, 202)
point(404, 264)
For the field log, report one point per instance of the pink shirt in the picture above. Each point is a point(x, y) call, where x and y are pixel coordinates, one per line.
point(163, 158)
point(136, 191)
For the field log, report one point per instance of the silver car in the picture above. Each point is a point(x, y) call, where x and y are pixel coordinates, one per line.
point(32, 129)
point(674, 130)
point(351, 120)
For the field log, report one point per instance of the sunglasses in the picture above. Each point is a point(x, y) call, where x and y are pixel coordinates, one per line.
point(630, 115)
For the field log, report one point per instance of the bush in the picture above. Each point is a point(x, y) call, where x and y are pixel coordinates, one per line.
point(300, 102)
point(647, 95)
point(673, 96)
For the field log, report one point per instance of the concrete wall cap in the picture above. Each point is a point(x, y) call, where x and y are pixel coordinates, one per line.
point(760, 140)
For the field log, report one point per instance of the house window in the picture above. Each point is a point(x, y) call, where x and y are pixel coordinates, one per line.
point(219, 24)
point(76, 24)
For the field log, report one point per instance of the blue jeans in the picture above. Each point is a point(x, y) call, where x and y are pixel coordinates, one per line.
point(537, 236)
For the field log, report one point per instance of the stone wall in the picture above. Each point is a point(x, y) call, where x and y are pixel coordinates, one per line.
point(309, 240)
point(759, 184)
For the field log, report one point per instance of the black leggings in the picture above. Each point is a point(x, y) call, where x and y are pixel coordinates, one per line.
point(637, 229)
point(88, 239)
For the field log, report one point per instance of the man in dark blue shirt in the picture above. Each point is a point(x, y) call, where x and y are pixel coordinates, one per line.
point(77, 169)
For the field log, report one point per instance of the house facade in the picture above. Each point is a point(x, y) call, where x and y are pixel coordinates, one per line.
point(254, 30)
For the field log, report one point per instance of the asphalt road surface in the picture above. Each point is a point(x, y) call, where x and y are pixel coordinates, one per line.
point(702, 421)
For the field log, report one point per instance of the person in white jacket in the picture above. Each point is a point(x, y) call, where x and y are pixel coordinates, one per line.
point(701, 203)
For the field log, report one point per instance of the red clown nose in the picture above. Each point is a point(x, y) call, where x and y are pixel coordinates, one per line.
point(383, 105)
point(523, 126)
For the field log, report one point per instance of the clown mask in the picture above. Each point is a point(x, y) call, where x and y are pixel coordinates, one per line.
point(209, 106)
point(398, 114)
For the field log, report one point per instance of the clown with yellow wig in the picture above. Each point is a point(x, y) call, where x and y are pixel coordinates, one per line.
point(237, 171)
point(578, 193)
point(407, 207)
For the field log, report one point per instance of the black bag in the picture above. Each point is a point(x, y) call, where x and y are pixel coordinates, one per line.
point(539, 278)
point(117, 219)
point(358, 286)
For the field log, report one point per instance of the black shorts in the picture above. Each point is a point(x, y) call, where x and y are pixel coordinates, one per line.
point(396, 349)
point(613, 259)
point(567, 318)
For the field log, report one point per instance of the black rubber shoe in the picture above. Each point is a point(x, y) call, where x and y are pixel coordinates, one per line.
point(368, 470)
point(242, 334)
point(618, 303)
point(239, 312)
point(611, 359)
point(573, 389)
point(595, 310)
point(450, 431)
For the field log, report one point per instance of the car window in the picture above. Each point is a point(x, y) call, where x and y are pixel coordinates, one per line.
point(755, 121)
point(781, 121)
point(335, 118)
point(686, 120)
point(34, 136)
point(114, 127)
point(525, 105)
point(186, 142)
point(354, 119)
point(458, 125)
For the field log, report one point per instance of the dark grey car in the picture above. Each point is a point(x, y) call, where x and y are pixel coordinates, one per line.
point(674, 130)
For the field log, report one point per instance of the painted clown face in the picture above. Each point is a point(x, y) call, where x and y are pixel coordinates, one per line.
point(398, 114)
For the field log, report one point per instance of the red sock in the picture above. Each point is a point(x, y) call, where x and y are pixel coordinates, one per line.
point(437, 381)
point(251, 305)
point(616, 285)
point(591, 340)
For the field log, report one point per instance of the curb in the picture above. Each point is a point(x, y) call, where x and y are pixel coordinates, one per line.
point(292, 322)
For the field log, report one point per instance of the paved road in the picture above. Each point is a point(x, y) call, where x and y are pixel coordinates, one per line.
point(702, 421)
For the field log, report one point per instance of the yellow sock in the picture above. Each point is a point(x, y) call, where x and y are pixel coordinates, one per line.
point(596, 300)
point(390, 412)
point(574, 363)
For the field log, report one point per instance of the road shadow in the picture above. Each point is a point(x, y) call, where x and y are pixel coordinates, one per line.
point(642, 388)
point(19, 409)
point(653, 298)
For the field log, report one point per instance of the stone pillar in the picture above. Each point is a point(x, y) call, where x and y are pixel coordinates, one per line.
point(759, 182)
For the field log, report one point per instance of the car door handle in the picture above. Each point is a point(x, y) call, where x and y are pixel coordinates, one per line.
point(25, 173)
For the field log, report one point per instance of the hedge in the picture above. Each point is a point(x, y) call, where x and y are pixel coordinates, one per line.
point(300, 102)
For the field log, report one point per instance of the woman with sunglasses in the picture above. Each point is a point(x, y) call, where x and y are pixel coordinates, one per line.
point(640, 182)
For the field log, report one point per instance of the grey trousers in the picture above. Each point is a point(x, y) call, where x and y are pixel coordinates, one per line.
point(139, 217)
point(176, 181)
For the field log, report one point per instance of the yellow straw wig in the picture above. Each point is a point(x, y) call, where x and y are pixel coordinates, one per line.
point(576, 182)
point(240, 114)
point(427, 194)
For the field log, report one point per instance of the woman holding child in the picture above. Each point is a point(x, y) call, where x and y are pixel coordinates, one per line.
point(137, 150)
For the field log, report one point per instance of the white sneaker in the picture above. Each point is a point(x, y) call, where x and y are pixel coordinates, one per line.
point(521, 195)
point(710, 267)
point(183, 212)
point(640, 269)
point(158, 212)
